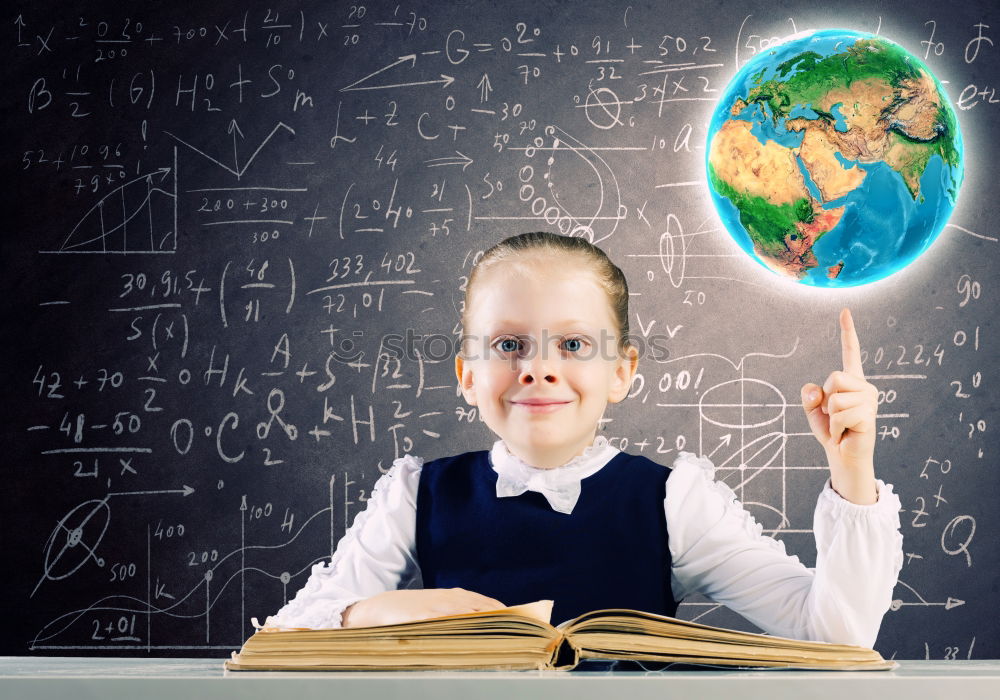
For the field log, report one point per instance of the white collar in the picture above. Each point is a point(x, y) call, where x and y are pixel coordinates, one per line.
point(560, 485)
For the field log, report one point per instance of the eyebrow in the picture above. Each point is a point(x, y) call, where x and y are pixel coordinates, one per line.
point(566, 322)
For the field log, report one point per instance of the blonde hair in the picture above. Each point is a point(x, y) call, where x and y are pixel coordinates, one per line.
point(608, 275)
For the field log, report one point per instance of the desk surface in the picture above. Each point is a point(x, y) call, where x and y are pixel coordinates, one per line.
point(152, 679)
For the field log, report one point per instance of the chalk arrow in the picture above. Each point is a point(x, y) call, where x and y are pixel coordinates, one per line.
point(484, 88)
point(462, 160)
point(187, 491)
point(20, 23)
point(723, 441)
point(238, 170)
point(162, 172)
point(445, 80)
point(412, 58)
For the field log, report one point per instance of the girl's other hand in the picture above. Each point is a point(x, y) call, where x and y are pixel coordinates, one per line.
point(841, 414)
point(407, 605)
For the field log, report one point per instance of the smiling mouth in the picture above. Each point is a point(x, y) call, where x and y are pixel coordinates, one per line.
point(542, 407)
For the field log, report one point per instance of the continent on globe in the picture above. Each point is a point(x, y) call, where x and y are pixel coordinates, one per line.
point(764, 182)
point(835, 158)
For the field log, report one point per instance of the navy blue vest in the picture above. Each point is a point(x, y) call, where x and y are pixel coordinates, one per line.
point(610, 552)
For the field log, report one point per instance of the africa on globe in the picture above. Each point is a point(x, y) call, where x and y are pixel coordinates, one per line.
point(834, 158)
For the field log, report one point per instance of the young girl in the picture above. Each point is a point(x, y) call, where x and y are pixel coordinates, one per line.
point(553, 511)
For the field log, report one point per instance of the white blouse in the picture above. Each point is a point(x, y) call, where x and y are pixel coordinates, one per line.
point(716, 548)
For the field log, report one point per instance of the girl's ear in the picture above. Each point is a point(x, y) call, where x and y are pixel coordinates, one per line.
point(624, 372)
point(463, 372)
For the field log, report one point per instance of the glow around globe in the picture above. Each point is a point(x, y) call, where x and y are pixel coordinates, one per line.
point(834, 158)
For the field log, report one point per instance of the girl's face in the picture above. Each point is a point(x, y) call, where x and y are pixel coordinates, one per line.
point(542, 359)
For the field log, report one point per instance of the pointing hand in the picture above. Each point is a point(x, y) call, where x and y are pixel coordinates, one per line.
point(841, 414)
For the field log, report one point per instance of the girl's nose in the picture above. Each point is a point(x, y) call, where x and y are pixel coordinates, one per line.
point(537, 368)
point(528, 377)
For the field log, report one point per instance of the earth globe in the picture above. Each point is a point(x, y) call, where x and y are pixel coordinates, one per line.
point(834, 158)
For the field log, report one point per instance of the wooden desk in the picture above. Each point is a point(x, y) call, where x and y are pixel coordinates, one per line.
point(31, 678)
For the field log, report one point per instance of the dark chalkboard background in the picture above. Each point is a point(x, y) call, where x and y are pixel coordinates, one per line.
point(225, 215)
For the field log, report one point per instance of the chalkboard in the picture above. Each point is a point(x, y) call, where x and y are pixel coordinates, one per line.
point(227, 215)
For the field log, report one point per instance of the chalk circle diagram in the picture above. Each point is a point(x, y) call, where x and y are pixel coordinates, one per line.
point(575, 189)
point(602, 107)
point(75, 540)
point(725, 405)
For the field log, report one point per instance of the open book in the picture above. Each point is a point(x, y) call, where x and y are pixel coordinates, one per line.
point(520, 637)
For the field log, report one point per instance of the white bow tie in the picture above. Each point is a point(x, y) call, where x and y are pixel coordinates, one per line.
point(562, 499)
point(560, 485)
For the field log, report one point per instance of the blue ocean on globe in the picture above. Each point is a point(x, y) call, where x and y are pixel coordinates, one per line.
point(859, 93)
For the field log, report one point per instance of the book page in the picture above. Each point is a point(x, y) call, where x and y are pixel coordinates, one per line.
point(539, 610)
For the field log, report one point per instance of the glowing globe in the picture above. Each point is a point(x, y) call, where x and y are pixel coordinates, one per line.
point(834, 159)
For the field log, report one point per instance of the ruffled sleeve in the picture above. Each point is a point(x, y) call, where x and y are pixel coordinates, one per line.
point(376, 554)
point(718, 550)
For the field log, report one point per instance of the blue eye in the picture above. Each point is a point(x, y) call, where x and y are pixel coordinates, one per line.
point(511, 344)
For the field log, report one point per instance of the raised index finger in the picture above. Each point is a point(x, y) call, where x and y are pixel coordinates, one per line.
point(850, 346)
